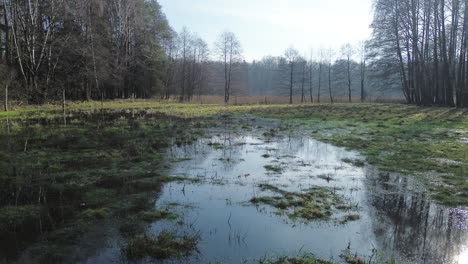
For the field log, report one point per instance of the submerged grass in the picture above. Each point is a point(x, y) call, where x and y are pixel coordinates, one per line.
point(155, 215)
point(306, 258)
point(273, 168)
point(98, 166)
point(346, 257)
point(317, 203)
point(165, 245)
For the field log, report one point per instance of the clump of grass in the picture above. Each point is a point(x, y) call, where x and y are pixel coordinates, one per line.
point(354, 162)
point(156, 215)
point(326, 177)
point(351, 258)
point(164, 246)
point(314, 204)
point(350, 218)
point(216, 145)
point(306, 258)
point(95, 214)
point(273, 168)
point(166, 179)
point(269, 187)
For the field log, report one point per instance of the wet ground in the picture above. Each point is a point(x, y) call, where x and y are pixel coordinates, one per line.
point(396, 218)
point(376, 215)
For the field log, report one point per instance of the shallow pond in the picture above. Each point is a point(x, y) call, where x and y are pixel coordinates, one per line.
point(395, 217)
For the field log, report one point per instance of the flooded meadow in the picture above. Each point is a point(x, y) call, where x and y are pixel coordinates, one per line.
point(141, 187)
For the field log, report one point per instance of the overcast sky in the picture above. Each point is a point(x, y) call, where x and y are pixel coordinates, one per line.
point(269, 27)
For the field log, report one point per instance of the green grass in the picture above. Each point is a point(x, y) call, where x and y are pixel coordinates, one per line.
point(428, 143)
point(314, 204)
point(108, 160)
point(156, 215)
point(346, 257)
point(165, 245)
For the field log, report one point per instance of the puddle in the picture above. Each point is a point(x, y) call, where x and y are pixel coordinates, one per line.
point(396, 217)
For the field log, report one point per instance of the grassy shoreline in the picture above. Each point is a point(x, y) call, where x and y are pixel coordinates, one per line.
point(430, 143)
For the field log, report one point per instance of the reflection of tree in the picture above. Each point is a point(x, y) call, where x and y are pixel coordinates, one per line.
point(229, 152)
point(291, 145)
point(408, 224)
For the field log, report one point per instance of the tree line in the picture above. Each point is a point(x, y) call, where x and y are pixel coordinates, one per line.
point(315, 77)
point(86, 49)
point(110, 49)
point(106, 49)
point(426, 42)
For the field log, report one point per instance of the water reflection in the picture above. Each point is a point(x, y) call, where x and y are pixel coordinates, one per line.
point(407, 223)
point(397, 216)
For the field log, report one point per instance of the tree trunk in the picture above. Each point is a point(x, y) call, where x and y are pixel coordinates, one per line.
point(319, 83)
point(291, 84)
point(6, 97)
point(311, 84)
point(363, 72)
point(349, 79)
point(329, 83)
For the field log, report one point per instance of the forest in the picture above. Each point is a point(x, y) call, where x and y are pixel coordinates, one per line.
point(93, 50)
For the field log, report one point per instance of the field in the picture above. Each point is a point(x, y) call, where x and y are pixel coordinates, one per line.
point(69, 172)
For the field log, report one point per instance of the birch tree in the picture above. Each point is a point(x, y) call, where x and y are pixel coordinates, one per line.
point(228, 49)
point(347, 51)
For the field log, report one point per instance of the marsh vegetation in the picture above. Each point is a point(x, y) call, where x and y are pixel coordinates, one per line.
point(170, 182)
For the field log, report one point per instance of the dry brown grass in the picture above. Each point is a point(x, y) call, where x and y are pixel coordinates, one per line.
point(218, 100)
point(266, 100)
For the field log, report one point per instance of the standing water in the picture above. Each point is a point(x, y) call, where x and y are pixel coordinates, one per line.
point(379, 214)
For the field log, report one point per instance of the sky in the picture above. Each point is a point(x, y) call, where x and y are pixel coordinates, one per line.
point(269, 27)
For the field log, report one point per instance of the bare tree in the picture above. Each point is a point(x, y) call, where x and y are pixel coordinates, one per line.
point(185, 40)
point(347, 51)
point(362, 52)
point(321, 62)
point(292, 57)
point(329, 56)
point(229, 50)
point(32, 24)
point(303, 64)
point(311, 79)
point(201, 53)
point(8, 75)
